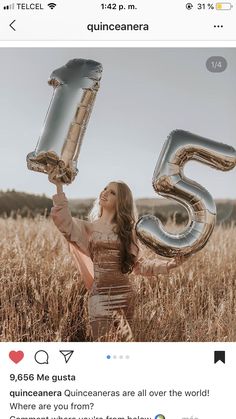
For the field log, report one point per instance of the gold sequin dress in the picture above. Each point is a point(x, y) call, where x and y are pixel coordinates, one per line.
point(111, 292)
point(98, 259)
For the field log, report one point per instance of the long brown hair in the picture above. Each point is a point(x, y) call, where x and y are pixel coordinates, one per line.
point(125, 219)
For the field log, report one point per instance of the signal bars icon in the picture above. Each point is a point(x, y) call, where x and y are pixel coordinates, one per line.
point(9, 6)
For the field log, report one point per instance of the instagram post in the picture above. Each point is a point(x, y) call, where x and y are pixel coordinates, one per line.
point(117, 210)
point(117, 200)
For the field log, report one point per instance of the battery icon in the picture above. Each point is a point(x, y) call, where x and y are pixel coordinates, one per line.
point(224, 6)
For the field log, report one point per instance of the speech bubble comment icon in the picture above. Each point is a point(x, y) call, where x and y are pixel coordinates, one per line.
point(41, 357)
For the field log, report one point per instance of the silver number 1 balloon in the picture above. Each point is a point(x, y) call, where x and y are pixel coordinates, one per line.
point(75, 88)
point(169, 181)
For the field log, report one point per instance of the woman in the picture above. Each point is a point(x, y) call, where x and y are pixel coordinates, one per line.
point(106, 251)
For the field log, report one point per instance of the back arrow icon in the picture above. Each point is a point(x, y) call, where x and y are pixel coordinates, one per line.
point(12, 24)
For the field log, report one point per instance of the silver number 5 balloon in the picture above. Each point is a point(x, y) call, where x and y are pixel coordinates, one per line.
point(75, 87)
point(169, 181)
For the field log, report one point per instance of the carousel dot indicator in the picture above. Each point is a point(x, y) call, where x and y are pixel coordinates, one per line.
point(108, 356)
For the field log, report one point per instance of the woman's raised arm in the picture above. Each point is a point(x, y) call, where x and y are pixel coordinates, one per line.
point(74, 230)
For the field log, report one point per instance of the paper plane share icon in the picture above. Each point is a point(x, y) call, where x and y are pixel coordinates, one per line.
point(67, 355)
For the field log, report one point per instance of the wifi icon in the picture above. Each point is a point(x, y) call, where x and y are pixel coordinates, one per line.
point(51, 5)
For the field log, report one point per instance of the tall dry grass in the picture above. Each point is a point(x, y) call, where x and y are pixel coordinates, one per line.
point(42, 297)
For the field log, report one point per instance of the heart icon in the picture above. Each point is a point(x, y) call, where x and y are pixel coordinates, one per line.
point(16, 356)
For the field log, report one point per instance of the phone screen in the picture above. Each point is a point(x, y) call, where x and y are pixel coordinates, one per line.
point(117, 210)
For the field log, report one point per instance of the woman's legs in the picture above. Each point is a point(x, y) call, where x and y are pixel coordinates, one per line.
point(108, 321)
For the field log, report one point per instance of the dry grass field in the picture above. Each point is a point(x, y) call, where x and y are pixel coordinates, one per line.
point(42, 297)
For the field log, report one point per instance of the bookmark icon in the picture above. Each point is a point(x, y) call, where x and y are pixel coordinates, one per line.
point(219, 356)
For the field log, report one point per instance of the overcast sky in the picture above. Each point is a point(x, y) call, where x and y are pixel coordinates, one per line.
point(144, 94)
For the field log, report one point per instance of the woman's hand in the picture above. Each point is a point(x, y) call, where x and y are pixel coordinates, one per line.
point(52, 173)
point(176, 261)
